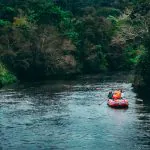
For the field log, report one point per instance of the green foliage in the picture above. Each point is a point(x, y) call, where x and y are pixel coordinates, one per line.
point(4, 23)
point(5, 76)
point(6, 12)
point(76, 6)
point(42, 38)
point(94, 37)
point(107, 11)
point(141, 16)
point(133, 55)
point(67, 26)
point(44, 13)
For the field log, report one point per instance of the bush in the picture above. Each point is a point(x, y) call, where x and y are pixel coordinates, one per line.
point(5, 76)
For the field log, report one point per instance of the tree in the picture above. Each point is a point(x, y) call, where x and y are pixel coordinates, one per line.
point(141, 15)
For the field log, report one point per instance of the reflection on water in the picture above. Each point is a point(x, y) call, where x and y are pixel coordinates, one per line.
point(67, 115)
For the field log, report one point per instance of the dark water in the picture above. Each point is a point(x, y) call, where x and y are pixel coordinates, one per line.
point(66, 115)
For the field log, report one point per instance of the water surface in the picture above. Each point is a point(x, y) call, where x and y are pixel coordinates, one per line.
point(66, 115)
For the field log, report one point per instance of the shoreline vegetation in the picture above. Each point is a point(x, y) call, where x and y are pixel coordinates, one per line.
point(52, 39)
point(6, 77)
point(124, 76)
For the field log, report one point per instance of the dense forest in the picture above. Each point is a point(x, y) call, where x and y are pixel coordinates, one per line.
point(46, 39)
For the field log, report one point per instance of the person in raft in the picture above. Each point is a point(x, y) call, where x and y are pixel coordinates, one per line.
point(110, 95)
point(118, 94)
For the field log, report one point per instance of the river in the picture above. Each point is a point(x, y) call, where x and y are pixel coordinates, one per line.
point(67, 115)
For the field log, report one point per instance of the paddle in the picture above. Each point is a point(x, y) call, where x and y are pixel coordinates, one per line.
point(99, 95)
point(102, 102)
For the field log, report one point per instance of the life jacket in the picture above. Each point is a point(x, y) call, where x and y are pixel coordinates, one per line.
point(116, 95)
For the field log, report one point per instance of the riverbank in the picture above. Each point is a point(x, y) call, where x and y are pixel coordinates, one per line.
point(83, 78)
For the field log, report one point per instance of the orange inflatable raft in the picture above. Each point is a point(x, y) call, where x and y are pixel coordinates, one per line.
point(119, 103)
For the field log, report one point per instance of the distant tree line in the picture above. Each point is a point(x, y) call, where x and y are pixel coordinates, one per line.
point(43, 39)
